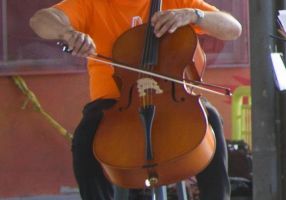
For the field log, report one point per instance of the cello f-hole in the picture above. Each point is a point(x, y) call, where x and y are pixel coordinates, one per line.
point(122, 108)
point(174, 96)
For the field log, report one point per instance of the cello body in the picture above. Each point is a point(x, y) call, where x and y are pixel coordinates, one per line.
point(180, 142)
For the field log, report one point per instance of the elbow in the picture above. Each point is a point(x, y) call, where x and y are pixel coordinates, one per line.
point(237, 30)
point(34, 21)
point(234, 31)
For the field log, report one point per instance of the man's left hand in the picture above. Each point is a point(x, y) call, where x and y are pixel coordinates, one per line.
point(169, 20)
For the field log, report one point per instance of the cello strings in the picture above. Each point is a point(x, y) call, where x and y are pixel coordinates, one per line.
point(147, 49)
point(151, 48)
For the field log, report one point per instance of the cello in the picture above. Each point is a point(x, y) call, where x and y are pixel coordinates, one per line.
point(157, 133)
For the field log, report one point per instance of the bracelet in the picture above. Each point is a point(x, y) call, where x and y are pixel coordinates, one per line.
point(200, 15)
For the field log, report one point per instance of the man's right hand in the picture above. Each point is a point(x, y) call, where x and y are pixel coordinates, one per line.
point(79, 43)
point(52, 23)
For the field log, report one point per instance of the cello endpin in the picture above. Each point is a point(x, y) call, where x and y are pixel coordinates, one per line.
point(151, 182)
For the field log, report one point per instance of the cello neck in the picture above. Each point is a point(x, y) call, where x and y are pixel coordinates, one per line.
point(155, 7)
point(150, 52)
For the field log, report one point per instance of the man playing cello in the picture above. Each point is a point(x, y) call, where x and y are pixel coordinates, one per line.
point(91, 26)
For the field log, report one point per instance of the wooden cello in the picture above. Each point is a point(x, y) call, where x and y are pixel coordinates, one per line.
point(157, 133)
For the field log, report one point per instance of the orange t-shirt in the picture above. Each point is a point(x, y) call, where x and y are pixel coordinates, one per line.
point(104, 21)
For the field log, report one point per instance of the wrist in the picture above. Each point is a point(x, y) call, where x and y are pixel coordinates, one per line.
point(199, 16)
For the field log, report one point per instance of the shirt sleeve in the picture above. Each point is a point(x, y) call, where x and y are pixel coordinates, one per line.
point(77, 12)
point(199, 4)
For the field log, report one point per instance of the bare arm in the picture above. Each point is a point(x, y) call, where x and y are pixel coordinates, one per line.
point(221, 25)
point(50, 23)
point(53, 24)
point(215, 23)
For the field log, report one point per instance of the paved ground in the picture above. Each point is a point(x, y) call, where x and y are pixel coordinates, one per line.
point(48, 197)
point(76, 197)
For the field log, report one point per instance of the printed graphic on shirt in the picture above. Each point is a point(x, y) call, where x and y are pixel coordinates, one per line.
point(136, 20)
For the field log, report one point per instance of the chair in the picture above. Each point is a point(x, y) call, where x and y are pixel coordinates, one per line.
point(241, 114)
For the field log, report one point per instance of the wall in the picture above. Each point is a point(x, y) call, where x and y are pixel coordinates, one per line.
point(34, 158)
point(231, 78)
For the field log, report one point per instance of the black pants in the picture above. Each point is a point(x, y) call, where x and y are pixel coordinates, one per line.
point(213, 182)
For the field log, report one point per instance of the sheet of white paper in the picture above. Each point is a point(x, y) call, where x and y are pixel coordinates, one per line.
point(279, 71)
point(282, 18)
point(281, 12)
